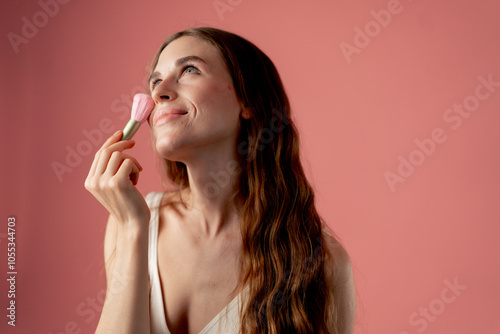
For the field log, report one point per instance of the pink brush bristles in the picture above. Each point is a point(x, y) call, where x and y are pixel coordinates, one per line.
point(142, 107)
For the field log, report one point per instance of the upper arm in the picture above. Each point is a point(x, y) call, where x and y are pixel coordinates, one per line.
point(343, 296)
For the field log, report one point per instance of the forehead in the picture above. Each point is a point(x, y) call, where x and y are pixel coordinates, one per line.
point(189, 46)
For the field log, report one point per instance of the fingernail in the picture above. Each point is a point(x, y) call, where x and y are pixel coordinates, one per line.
point(117, 132)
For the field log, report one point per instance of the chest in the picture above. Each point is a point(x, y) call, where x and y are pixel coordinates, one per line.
point(197, 279)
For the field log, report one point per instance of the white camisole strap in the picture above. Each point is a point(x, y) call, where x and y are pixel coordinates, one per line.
point(157, 316)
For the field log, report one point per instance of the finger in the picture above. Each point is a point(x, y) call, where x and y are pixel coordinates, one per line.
point(128, 170)
point(116, 160)
point(114, 138)
point(126, 156)
point(105, 155)
point(94, 164)
point(121, 145)
point(134, 177)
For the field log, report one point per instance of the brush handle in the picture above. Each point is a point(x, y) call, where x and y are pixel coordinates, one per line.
point(130, 129)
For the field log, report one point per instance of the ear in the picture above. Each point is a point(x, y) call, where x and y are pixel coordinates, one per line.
point(245, 113)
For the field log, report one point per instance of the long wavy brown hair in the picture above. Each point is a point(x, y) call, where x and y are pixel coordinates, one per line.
point(284, 250)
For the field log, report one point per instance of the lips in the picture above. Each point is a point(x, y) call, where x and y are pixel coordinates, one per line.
point(165, 115)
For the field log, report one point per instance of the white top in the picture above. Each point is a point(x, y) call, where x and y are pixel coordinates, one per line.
point(227, 321)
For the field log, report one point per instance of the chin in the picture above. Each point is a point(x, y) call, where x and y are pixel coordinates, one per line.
point(170, 148)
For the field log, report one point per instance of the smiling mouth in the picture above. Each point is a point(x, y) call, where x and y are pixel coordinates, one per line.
point(164, 117)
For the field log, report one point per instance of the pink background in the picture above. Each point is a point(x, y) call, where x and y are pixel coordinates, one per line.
point(358, 116)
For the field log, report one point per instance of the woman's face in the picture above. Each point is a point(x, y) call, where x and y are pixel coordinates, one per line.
point(196, 105)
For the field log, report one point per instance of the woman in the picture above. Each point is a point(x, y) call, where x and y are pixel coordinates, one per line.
point(239, 247)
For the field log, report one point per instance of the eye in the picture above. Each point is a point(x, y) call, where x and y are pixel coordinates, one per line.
point(155, 83)
point(190, 69)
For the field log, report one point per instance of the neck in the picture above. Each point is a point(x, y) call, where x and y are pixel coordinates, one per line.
point(212, 183)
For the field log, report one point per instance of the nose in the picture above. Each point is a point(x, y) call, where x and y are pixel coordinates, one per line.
point(163, 92)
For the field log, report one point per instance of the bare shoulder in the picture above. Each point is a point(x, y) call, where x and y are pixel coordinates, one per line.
point(171, 198)
point(339, 272)
point(338, 265)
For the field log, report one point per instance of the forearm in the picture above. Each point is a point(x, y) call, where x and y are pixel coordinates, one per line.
point(126, 307)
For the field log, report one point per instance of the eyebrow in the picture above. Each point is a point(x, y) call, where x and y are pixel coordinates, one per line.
point(179, 62)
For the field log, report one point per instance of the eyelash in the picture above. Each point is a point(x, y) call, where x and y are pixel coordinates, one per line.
point(188, 66)
point(153, 83)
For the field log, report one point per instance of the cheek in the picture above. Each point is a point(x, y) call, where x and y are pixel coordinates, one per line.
point(220, 99)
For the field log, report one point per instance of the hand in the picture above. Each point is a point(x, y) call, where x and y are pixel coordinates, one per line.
point(112, 180)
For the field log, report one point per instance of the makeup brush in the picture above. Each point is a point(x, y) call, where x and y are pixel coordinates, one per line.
point(141, 108)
